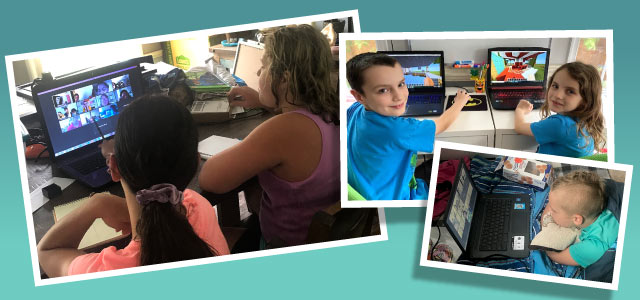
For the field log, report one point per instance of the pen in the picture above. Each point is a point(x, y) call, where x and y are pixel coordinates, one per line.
point(98, 127)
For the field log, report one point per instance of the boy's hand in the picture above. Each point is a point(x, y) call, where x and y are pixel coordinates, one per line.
point(462, 97)
point(524, 107)
point(244, 96)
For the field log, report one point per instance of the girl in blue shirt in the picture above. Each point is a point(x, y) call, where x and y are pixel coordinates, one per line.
point(576, 128)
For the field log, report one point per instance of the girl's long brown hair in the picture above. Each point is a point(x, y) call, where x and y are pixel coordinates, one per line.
point(589, 113)
point(300, 57)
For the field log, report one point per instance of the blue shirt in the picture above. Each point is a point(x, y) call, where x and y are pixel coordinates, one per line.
point(595, 239)
point(382, 151)
point(558, 135)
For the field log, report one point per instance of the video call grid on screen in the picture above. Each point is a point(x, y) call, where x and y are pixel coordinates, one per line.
point(518, 66)
point(462, 208)
point(421, 70)
point(76, 105)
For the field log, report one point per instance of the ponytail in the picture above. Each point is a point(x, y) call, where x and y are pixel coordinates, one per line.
point(157, 155)
point(166, 235)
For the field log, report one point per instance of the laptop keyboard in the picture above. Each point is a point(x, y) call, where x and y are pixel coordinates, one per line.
point(535, 96)
point(89, 164)
point(425, 99)
point(495, 228)
point(197, 106)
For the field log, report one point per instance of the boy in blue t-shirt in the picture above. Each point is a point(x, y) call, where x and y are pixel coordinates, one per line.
point(381, 145)
point(578, 200)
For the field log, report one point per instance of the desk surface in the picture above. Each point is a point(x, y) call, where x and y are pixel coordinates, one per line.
point(505, 119)
point(468, 123)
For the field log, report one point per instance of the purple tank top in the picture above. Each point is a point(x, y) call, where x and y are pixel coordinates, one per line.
point(287, 207)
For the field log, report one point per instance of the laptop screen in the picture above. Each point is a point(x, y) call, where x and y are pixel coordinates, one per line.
point(70, 106)
point(461, 206)
point(519, 67)
point(247, 63)
point(423, 70)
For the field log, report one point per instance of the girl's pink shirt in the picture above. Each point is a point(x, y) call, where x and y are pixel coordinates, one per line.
point(202, 217)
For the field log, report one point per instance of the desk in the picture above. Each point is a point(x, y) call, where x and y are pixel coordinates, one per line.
point(471, 127)
point(506, 136)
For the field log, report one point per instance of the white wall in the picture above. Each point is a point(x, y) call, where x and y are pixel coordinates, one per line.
point(476, 49)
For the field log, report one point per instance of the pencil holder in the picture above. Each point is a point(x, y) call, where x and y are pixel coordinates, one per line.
point(479, 85)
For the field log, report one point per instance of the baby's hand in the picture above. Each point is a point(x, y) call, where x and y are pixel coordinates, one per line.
point(461, 97)
point(524, 107)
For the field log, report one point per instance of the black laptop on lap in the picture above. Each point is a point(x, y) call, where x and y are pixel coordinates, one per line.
point(70, 108)
point(487, 225)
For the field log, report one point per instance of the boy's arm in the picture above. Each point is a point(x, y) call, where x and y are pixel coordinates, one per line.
point(562, 257)
point(451, 114)
point(521, 126)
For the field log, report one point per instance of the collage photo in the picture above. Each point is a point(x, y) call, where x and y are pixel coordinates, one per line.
point(272, 158)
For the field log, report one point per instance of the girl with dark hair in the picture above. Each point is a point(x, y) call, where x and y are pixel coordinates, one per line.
point(154, 156)
point(124, 95)
point(294, 154)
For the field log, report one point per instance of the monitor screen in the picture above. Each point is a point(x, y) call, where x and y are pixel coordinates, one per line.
point(247, 63)
point(421, 70)
point(461, 207)
point(518, 67)
point(71, 106)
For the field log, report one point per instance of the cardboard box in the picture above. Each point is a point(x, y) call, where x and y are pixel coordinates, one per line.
point(525, 171)
point(188, 53)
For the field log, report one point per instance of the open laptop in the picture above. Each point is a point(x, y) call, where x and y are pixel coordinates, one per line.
point(424, 76)
point(68, 108)
point(515, 74)
point(487, 225)
point(245, 66)
point(248, 62)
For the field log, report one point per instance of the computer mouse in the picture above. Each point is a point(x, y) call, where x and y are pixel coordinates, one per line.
point(32, 151)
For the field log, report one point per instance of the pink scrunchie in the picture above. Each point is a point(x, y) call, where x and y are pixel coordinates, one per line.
point(162, 193)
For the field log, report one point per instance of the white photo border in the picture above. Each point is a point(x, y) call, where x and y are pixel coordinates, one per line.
point(628, 169)
point(23, 170)
point(344, 90)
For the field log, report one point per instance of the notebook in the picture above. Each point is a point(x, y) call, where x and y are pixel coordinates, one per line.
point(214, 145)
point(515, 74)
point(68, 107)
point(487, 225)
point(98, 234)
point(424, 76)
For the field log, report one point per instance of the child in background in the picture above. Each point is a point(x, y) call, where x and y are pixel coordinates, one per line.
point(577, 127)
point(295, 154)
point(578, 199)
point(154, 156)
point(381, 145)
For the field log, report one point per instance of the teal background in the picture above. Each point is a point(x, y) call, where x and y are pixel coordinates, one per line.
point(378, 270)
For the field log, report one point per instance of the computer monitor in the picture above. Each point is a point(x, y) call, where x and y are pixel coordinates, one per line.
point(248, 62)
point(461, 207)
point(518, 66)
point(71, 105)
point(423, 70)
